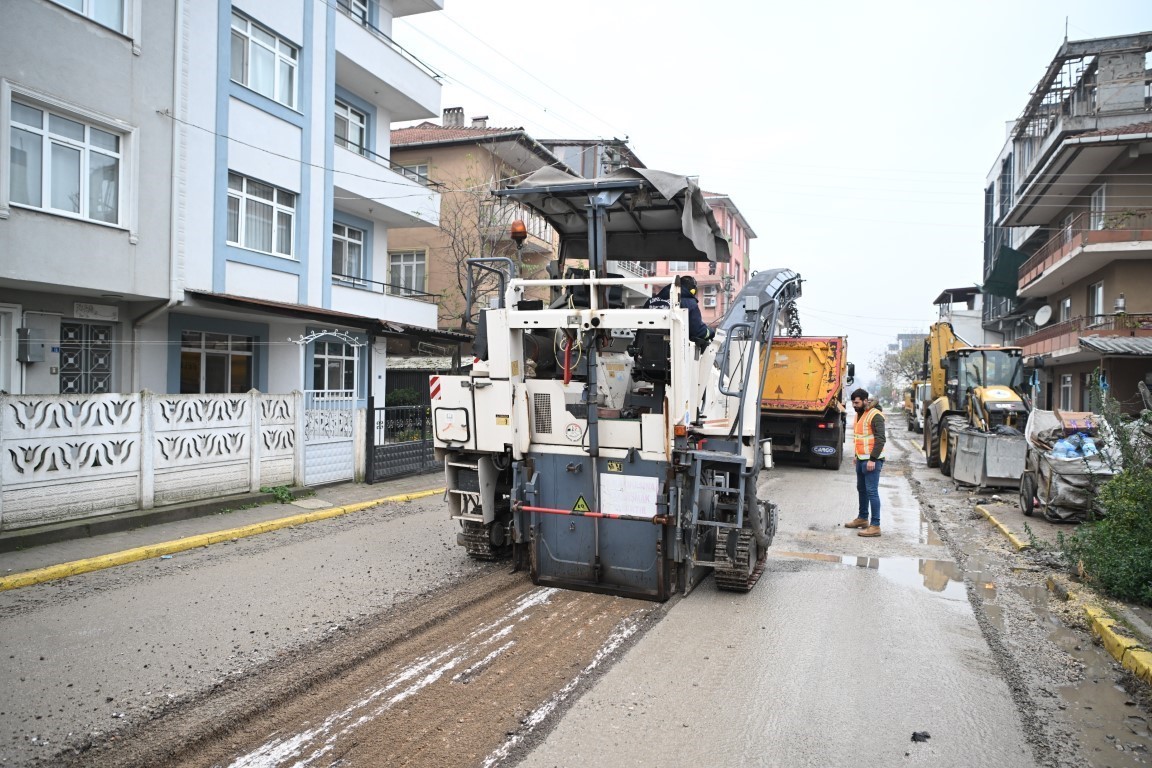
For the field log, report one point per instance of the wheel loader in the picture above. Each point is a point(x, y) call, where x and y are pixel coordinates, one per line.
point(974, 420)
point(597, 444)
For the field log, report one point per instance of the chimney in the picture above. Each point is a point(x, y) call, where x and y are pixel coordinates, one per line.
point(480, 121)
point(453, 117)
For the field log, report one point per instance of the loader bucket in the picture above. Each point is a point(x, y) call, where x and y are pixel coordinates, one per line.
point(989, 460)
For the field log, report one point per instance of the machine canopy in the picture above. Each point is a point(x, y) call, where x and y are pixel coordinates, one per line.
point(649, 215)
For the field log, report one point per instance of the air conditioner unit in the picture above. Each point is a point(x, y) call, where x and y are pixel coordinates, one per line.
point(709, 301)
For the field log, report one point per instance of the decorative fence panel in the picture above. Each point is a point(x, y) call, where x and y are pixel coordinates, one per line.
point(70, 457)
point(401, 442)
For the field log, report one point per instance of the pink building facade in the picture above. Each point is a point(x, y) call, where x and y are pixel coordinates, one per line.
point(717, 285)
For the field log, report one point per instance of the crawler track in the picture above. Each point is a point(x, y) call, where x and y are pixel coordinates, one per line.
point(744, 573)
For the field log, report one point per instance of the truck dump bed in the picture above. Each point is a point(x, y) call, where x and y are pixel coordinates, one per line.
point(805, 374)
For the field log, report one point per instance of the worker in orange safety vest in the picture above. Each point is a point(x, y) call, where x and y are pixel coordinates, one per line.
point(868, 437)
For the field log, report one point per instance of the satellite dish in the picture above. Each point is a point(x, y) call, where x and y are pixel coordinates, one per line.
point(1043, 315)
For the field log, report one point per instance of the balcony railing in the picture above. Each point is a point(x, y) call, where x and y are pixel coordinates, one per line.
point(496, 219)
point(407, 173)
point(358, 13)
point(639, 268)
point(386, 289)
point(1090, 325)
point(1088, 228)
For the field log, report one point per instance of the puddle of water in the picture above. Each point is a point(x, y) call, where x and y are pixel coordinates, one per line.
point(940, 576)
point(1112, 732)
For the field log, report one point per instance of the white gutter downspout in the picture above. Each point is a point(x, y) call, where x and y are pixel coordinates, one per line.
point(179, 187)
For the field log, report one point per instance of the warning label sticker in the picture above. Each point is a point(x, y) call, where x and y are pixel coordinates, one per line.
point(580, 505)
point(615, 466)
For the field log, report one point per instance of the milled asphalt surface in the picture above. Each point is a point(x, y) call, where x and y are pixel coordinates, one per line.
point(1131, 645)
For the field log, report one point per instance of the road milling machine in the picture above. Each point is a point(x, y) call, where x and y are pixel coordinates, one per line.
point(975, 415)
point(597, 443)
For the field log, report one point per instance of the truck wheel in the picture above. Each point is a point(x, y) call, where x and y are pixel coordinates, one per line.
point(1027, 494)
point(835, 461)
point(945, 448)
point(932, 444)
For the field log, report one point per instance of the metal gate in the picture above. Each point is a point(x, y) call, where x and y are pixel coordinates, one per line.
point(329, 422)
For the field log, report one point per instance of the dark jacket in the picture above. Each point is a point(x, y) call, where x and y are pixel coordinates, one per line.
point(697, 330)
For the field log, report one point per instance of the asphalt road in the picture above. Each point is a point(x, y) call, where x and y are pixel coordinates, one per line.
point(846, 647)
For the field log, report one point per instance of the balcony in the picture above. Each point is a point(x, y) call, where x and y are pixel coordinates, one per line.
point(496, 224)
point(1092, 240)
point(370, 62)
point(1062, 340)
point(384, 301)
point(371, 186)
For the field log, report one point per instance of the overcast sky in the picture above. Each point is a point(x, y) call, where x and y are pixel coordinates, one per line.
point(855, 137)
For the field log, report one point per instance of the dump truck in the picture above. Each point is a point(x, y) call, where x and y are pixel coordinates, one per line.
point(973, 425)
point(601, 446)
point(802, 404)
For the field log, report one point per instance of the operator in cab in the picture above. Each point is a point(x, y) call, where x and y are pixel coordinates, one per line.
point(698, 332)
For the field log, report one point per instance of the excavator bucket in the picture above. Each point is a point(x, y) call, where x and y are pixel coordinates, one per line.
point(989, 460)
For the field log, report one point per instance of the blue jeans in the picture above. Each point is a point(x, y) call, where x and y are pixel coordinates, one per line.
point(868, 489)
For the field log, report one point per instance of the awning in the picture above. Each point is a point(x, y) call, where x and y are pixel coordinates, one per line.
point(372, 325)
point(1118, 346)
point(1005, 276)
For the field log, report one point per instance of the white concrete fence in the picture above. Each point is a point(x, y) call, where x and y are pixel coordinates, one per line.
point(70, 457)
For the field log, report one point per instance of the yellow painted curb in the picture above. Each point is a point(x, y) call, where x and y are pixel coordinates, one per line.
point(52, 572)
point(1130, 652)
point(917, 446)
point(1013, 539)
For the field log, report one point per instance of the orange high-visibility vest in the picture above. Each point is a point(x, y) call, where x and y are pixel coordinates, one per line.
point(862, 435)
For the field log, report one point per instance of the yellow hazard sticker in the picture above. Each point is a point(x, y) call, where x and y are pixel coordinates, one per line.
point(615, 466)
point(515, 367)
point(580, 505)
point(501, 420)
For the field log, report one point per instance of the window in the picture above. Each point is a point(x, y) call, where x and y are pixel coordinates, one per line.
point(110, 13)
point(357, 9)
point(334, 366)
point(1069, 221)
point(1095, 300)
point(260, 216)
point(347, 251)
point(1087, 382)
point(263, 62)
point(215, 363)
point(85, 358)
point(406, 272)
point(681, 266)
point(1096, 208)
point(1066, 391)
point(418, 173)
point(64, 165)
point(1066, 309)
point(351, 128)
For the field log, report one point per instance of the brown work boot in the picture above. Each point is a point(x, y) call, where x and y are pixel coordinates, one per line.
point(872, 530)
point(857, 522)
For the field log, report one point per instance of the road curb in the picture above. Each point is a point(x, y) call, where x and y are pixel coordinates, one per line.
point(1013, 539)
point(1131, 652)
point(87, 565)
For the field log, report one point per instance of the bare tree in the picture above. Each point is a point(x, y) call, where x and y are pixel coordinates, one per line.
point(898, 369)
point(476, 224)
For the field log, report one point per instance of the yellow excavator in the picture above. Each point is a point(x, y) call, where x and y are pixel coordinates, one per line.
point(975, 416)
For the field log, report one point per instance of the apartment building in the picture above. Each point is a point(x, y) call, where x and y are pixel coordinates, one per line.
point(467, 162)
point(208, 210)
point(1068, 226)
